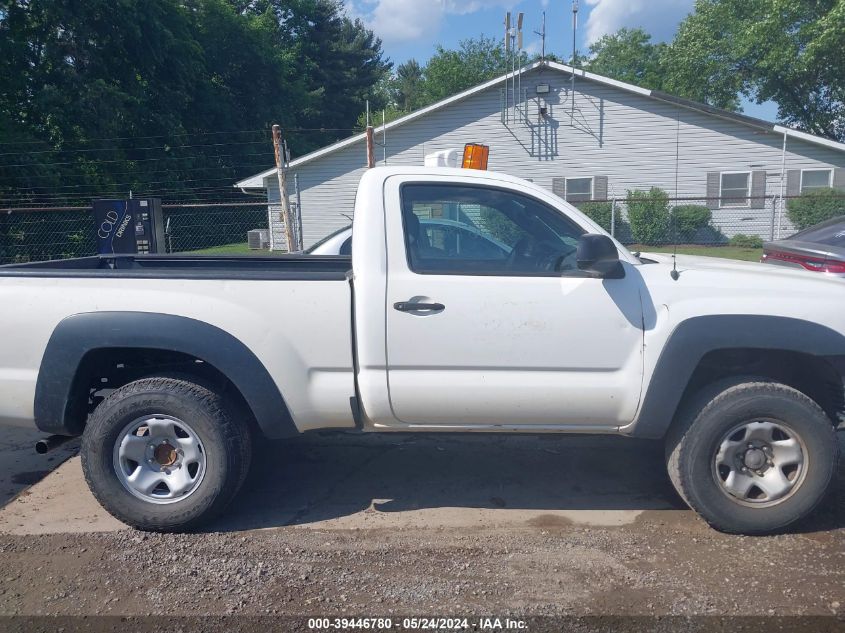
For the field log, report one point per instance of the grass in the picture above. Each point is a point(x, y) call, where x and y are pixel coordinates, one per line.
point(232, 249)
point(727, 252)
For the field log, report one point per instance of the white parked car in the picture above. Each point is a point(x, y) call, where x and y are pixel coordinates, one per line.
point(472, 301)
point(454, 237)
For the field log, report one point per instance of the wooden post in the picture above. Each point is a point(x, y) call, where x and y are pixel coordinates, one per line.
point(283, 188)
point(371, 153)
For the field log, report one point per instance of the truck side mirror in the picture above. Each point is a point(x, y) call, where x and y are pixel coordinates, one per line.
point(597, 256)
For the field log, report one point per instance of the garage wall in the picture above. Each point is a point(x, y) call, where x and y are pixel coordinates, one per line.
point(630, 139)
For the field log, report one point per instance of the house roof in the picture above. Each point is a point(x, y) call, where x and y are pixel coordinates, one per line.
point(257, 181)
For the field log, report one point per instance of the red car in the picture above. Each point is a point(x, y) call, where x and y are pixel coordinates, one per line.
point(821, 248)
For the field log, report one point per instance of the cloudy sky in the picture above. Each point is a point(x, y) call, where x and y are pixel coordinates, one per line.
point(412, 28)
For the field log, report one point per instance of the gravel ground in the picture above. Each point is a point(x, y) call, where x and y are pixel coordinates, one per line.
point(657, 569)
point(663, 562)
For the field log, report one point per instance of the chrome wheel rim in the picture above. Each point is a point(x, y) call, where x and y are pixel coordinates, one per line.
point(159, 459)
point(760, 463)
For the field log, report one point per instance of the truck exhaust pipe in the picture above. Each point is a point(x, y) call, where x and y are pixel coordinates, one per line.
point(47, 444)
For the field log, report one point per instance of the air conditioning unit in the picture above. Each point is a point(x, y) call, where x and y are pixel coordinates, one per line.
point(258, 239)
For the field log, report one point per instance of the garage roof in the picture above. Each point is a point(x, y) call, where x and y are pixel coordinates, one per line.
point(257, 181)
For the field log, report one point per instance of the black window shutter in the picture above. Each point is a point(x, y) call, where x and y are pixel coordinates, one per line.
point(758, 189)
point(713, 189)
point(600, 188)
point(793, 182)
point(559, 186)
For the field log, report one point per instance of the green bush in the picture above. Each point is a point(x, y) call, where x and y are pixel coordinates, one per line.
point(814, 207)
point(688, 220)
point(501, 227)
point(648, 214)
point(599, 212)
point(746, 241)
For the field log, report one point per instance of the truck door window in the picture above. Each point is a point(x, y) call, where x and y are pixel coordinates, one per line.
point(472, 230)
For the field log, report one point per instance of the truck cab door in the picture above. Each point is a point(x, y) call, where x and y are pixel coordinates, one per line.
point(500, 328)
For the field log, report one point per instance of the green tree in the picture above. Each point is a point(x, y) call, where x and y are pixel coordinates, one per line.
point(100, 69)
point(340, 60)
point(788, 51)
point(409, 85)
point(391, 113)
point(629, 55)
point(164, 73)
point(475, 61)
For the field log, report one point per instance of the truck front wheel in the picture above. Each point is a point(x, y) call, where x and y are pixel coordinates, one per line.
point(164, 454)
point(752, 456)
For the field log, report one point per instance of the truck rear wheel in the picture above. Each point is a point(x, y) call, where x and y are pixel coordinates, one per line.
point(165, 454)
point(752, 456)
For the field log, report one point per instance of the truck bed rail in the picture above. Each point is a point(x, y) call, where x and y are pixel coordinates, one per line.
point(283, 267)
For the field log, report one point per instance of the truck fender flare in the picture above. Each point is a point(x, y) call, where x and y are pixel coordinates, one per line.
point(697, 336)
point(78, 335)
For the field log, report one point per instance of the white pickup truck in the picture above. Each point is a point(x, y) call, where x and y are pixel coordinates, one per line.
point(532, 320)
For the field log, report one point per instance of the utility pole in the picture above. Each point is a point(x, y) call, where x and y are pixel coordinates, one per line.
point(371, 150)
point(280, 150)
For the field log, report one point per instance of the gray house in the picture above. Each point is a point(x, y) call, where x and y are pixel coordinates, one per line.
point(593, 138)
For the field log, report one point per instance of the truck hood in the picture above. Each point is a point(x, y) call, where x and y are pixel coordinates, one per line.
point(711, 285)
point(717, 264)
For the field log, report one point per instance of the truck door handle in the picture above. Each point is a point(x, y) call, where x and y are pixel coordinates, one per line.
point(409, 306)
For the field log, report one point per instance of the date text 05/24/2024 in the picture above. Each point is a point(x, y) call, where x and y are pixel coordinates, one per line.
point(417, 624)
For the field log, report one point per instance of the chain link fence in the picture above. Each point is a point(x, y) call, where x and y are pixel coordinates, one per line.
point(650, 219)
point(42, 233)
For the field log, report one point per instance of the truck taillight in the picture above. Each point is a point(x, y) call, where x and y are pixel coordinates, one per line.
point(475, 156)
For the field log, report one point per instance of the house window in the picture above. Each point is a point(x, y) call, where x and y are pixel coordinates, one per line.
point(815, 179)
point(579, 189)
point(734, 189)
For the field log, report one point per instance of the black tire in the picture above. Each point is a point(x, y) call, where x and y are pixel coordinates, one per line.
point(694, 439)
point(225, 438)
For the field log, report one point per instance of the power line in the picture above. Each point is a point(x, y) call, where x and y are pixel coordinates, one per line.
point(165, 205)
point(164, 147)
point(262, 165)
point(140, 138)
point(139, 160)
point(130, 138)
point(170, 193)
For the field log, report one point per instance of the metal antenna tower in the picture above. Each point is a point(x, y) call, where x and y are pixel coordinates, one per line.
point(507, 54)
point(574, 51)
point(518, 64)
point(542, 34)
point(513, 50)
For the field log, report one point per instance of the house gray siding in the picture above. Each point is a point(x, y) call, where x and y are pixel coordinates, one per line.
point(629, 139)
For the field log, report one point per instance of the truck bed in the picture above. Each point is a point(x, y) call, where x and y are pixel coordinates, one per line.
point(284, 267)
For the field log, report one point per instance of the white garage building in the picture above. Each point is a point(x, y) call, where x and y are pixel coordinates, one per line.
point(591, 143)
